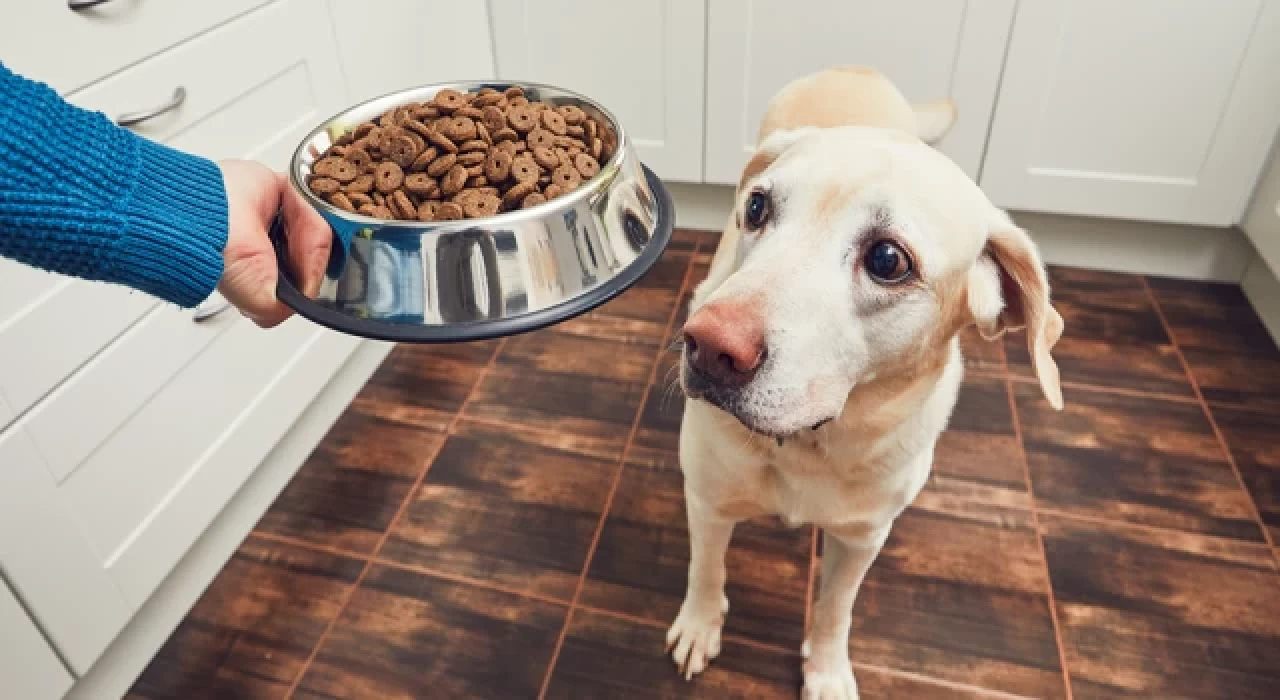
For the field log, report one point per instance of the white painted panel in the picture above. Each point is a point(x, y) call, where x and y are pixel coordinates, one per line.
point(45, 40)
point(1262, 219)
point(930, 49)
point(387, 54)
point(643, 61)
point(48, 562)
point(29, 668)
point(21, 286)
point(1145, 109)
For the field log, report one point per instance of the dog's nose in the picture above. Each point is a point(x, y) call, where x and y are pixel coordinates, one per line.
point(725, 342)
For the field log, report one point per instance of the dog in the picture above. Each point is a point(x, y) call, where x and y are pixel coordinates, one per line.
point(821, 355)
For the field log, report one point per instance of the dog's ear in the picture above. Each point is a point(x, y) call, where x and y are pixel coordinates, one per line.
point(772, 146)
point(934, 119)
point(1008, 291)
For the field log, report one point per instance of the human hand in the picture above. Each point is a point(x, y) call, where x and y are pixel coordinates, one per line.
point(250, 270)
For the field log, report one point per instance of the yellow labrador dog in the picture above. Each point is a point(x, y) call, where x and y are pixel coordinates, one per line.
point(821, 354)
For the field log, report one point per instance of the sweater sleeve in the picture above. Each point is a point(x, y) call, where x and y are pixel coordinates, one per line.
point(81, 196)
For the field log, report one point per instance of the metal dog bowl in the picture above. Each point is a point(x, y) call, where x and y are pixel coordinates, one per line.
point(450, 281)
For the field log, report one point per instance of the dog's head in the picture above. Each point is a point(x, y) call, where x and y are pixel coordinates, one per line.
point(858, 253)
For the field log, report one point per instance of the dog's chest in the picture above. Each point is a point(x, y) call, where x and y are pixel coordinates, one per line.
point(823, 497)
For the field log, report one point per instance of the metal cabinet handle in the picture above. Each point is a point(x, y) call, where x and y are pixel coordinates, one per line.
point(132, 118)
point(207, 312)
point(78, 5)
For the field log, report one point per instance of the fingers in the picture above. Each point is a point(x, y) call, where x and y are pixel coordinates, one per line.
point(249, 283)
point(310, 239)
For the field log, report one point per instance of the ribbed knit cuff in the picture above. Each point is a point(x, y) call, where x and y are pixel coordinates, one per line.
point(177, 226)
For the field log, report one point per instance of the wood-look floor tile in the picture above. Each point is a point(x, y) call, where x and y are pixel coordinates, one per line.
point(962, 597)
point(657, 439)
point(425, 385)
point(606, 658)
point(979, 354)
point(254, 627)
point(405, 635)
point(977, 459)
point(501, 507)
point(565, 380)
point(1230, 352)
point(640, 565)
point(1113, 335)
point(348, 491)
point(1253, 435)
point(1133, 459)
point(1150, 615)
point(651, 300)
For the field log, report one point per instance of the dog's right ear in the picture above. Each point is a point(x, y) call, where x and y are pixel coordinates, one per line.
point(934, 119)
point(773, 145)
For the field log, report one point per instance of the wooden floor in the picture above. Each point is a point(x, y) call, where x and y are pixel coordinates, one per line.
point(504, 520)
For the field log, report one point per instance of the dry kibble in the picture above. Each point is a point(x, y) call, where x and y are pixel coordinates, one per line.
point(462, 155)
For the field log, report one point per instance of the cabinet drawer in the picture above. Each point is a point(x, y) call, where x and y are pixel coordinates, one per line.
point(48, 41)
point(89, 407)
point(28, 666)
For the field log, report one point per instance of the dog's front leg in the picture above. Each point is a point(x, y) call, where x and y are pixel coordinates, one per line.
point(828, 674)
point(694, 637)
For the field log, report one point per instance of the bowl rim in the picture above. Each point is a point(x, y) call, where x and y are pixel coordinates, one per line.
point(608, 171)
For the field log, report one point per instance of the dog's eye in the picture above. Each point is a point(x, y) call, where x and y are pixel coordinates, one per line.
point(887, 263)
point(757, 210)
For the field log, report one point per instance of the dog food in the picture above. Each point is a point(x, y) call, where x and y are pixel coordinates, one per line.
point(462, 155)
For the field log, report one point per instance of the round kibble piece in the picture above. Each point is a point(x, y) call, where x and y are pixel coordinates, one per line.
point(344, 171)
point(481, 206)
point(552, 191)
point(477, 181)
point(471, 158)
point(523, 169)
point(361, 185)
point(453, 181)
point(448, 211)
point(566, 177)
point(358, 200)
point(522, 118)
point(460, 129)
point(546, 157)
point(341, 201)
point(402, 150)
point(402, 206)
point(358, 157)
point(513, 91)
point(493, 118)
point(572, 114)
point(504, 134)
point(483, 132)
point(516, 194)
point(518, 101)
point(474, 144)
point(441, 141)
point(540, 138)
point(362, 129)
point(532, 200)
point(324, 166)
point(421, 184)
point(325, 186)
point(448, 100)
point(470, 112)
point(388, 177)
point(427, 211)
point(498, 165)
point(554, 122)
point(441, 165)
point(586, 165)
point(424, 159)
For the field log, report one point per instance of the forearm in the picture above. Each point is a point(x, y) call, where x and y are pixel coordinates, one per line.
point(83, 197)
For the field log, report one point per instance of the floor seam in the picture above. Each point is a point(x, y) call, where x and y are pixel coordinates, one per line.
point(386, 534)
point(617, 476)
point(1213, 422)
point(1044, 556)
point(1153, 529)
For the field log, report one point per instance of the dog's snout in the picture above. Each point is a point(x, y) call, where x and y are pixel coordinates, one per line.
point(725, 343)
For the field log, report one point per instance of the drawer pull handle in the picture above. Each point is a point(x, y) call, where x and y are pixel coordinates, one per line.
point(208, 312)
point(132, 118)
point(78, 5)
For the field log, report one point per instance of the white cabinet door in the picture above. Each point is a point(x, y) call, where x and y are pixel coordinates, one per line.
point(643, 61)
point(931, 49)
point(390, 45)
point(28, 667)
point(1143, 109)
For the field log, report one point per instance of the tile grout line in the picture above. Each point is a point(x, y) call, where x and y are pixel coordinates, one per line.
point(1141, 527)
point(813, 579)
point(1044, 556)
point(1083, 386)
point(386, 534)
point(617, 475)
point(1213, 422)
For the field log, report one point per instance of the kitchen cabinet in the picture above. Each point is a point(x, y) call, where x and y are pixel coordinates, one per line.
point(642, 60)
point(390, 45)
point(1160, 110)
point(28, 667)
point(931, 49)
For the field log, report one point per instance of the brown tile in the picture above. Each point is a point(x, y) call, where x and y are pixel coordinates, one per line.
point(503, 508)
point(961, 597)
point(585, 378)
point(1130, 459)
point(651, 300)
point(1232, 356)
point(348, 491)
point(874, 684)
point(981, 355)
point(404, 635)
point(1113, 335)
point(977, 459)
point(657, 437)
point(1251, 435)
point(604, 657)
point(640, 565)
point(425, 385)
point(251, 631)
point(1149, 614)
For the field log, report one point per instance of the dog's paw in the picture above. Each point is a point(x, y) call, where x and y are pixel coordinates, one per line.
point(832, 681)
point(694, 638)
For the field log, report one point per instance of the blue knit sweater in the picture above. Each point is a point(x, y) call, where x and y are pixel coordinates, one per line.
point(81, 196)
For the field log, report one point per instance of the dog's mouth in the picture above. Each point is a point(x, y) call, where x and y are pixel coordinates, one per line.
point(698, 387)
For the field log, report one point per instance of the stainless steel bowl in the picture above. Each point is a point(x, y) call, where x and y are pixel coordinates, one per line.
point(451, 281)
